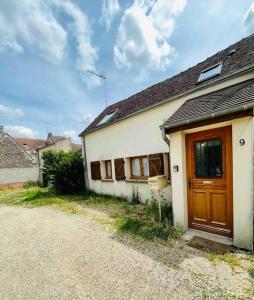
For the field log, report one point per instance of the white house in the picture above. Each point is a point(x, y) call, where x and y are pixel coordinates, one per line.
point(196, 126)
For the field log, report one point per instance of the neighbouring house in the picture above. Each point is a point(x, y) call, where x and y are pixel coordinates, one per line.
point(17, 166)
point(56, 144)
point(197, 124)
point(21, 158)
point(31, 146)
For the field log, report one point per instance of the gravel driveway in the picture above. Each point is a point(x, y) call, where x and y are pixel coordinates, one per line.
point(45, 254)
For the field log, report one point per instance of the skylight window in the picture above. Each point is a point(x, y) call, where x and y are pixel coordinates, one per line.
point(210, 72)
point(106, 118)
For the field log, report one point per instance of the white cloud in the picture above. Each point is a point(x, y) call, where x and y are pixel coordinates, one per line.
point(248, 20)
point(110, 8)
point(38, 24)
point(87, 118)
point(73, 135)
point(143, 34)
point(70, 133)
point(20, 131)
point(10, 113)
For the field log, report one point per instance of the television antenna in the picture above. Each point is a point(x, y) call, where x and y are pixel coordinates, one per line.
point(102, 77)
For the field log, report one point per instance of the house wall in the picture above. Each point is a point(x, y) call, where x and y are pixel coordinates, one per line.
point(64, 145)
point(18, 175)
point(242, 179)
point(139, 135)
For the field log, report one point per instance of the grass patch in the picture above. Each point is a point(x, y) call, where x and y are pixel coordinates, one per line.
point(146, 230)
point(135, 220)
point(229, 258)
point(251, 272)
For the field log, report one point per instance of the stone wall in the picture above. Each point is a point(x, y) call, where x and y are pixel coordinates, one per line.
point(12, 156)
point(18, 175)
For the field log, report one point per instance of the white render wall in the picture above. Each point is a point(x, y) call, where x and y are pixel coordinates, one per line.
point(16, 175)
point(136, 135)
point(242, 179)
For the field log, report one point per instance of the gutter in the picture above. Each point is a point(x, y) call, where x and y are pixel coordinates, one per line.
point(209, 116)
point(195, 89)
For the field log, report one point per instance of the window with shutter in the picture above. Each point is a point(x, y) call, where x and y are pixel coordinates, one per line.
point(139, 167)
point(95, 170)
point(119, 169)
point(156, 164)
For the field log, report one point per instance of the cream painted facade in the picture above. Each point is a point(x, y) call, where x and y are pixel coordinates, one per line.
point(242, 179)
point(140, 134)
point(64, 145)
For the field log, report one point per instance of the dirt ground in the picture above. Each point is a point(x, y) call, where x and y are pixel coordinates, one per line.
point(46, 254)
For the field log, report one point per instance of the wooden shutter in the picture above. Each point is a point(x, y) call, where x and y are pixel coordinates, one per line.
point(156, 164)
point(96, 170)
point(119, 169)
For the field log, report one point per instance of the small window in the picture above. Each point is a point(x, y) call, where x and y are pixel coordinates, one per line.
point(208, 159)
point(106, 118)
point(210, 72)
point(108, 169)
point(139, 167)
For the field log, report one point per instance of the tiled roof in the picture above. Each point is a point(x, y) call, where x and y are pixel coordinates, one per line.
point(30, 144)
point(54, 139)
point(183, 82)
point(230, 97)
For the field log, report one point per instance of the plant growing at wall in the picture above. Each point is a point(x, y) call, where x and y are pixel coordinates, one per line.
point(63, 171)
point(134, 199)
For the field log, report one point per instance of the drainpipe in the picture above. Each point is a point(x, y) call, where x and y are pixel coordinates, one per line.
point(85, 163)
point(166, 139)
point(253, 177)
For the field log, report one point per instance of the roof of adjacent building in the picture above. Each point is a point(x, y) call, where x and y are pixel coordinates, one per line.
point(235, 58)
point(221, 100)
point(30, 144)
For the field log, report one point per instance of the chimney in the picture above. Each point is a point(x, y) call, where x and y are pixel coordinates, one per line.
point(1, 131)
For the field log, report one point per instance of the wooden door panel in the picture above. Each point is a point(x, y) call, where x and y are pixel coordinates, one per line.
point(199, 206)
point(209, 176)
point(218, 208)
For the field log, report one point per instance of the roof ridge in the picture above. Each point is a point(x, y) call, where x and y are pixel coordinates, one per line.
point(185, 70)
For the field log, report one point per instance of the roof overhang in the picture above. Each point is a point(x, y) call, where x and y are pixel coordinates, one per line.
point(211, 118)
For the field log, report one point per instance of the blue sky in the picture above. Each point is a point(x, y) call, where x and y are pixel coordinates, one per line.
point(47, 47)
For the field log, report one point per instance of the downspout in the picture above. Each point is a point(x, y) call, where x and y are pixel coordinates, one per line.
point(166, 139)
point(253, 178)
point(85, 163)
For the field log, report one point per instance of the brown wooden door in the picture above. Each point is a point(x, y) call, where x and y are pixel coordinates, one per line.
point(209, 180)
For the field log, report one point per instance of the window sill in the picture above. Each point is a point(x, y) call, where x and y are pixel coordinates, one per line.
point(107, 180)
point(137, 180)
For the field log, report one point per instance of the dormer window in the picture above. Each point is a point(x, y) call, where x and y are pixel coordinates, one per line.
point(106, 118)
point(210, 72)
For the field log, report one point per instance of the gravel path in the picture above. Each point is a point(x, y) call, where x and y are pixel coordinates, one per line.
point(45, 254)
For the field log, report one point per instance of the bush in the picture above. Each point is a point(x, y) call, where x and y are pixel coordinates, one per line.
point(166, 212)
point(63, 171)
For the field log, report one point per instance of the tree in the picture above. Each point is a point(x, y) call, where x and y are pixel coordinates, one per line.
point(64, 171)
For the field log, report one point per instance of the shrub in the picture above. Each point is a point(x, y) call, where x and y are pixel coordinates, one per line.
point(166, 212)
point(63, 171)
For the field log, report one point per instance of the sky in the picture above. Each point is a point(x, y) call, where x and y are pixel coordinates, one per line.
point(50, 48)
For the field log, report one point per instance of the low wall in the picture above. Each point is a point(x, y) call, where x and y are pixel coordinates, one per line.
point(18, 175)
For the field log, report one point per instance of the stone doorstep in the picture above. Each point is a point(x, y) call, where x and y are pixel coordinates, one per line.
point(190, 233)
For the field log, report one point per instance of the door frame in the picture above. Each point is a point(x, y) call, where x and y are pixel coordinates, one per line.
point(228, 162)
